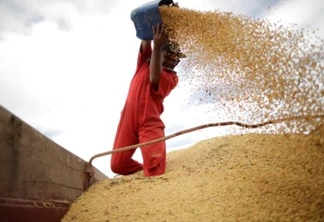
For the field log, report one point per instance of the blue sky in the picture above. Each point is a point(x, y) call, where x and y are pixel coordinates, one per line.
point(66, 66)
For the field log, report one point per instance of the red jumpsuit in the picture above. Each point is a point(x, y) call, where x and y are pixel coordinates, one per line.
point(140, 121)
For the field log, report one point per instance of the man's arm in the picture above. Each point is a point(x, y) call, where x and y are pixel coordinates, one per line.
point(160, 39)
point(155, 66)
point(145, 44)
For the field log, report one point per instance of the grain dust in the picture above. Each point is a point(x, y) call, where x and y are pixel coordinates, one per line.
point(254, 69)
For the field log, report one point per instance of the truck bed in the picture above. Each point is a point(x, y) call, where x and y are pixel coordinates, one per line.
point(39, 178)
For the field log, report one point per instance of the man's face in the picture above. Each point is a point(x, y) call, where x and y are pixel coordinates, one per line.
point(169, 59)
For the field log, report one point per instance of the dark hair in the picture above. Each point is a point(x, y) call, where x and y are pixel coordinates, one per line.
point(166, 2)
point(174, 47)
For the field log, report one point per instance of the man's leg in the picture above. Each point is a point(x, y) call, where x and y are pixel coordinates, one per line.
point(154, 156)
point(122, 162)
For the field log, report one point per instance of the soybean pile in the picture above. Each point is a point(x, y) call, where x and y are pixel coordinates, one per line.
point(255, 71)
point(252, 69)
point(250, 177)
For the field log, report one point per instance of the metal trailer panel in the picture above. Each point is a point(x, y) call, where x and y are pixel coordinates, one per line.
point(38, 178)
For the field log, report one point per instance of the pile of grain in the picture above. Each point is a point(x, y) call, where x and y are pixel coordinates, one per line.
point(254, 69)
point(253, 177)
point(258, 71)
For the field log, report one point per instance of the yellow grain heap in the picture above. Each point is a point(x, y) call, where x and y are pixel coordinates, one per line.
point(259, 71)
point(251, 177)
point(255, 69)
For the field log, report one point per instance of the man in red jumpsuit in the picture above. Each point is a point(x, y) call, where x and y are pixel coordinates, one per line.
point(140, 118)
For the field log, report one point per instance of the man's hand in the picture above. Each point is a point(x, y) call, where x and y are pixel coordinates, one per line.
point(160, 37)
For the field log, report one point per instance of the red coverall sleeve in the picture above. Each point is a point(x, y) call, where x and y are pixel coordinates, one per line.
point(167, 83)
point(144, 55)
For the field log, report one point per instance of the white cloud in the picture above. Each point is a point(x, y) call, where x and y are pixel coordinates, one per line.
point(306, 14)
point(71, 85)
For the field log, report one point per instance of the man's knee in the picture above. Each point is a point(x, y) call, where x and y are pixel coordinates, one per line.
point(155, 164)
point(115, 168)
point(125, 169)
point(156, 170)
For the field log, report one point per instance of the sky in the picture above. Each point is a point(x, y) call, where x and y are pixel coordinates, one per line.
point(65, 67)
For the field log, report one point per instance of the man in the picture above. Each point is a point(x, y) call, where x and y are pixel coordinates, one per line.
point(140, 119)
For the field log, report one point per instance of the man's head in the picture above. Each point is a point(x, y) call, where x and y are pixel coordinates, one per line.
point(171, 54)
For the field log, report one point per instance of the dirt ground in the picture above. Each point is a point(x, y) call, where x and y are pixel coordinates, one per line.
point(251, 177)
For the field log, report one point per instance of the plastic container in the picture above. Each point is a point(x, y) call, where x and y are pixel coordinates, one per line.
point(146, 16)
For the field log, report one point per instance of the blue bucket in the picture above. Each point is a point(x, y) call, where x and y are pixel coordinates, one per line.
point(146, 16)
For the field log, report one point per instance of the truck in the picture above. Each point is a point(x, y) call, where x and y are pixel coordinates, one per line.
point(39, 178)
